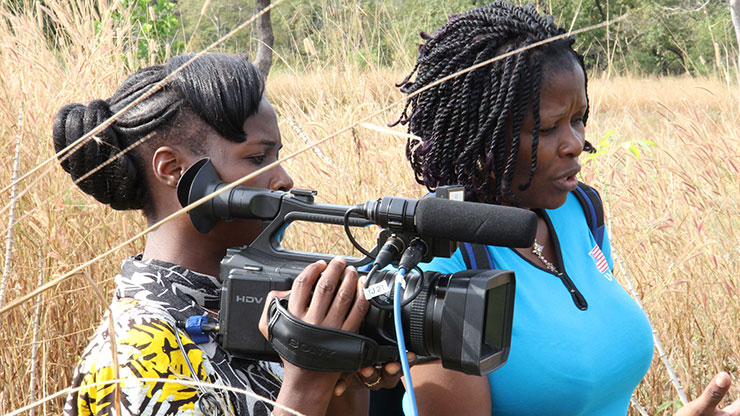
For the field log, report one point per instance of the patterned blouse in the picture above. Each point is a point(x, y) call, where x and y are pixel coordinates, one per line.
point(151, 296)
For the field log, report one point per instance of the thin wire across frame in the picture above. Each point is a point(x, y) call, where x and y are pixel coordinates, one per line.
point(65, 153)
point(293, 155)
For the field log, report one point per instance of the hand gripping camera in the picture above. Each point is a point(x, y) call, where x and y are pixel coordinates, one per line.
point(464, 319)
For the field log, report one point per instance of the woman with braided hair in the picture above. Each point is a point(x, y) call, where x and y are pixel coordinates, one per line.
point(213, 108)
point(511, 133)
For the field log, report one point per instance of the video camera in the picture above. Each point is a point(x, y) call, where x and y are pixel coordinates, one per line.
point(462, 318)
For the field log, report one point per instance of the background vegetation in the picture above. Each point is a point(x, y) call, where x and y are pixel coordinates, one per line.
point(666, 127)
point(660, 37)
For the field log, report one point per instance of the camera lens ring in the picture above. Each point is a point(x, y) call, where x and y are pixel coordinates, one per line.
point(417, 316)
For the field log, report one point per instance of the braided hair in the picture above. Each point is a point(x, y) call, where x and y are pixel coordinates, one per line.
point(463, 123)
point(222, 90)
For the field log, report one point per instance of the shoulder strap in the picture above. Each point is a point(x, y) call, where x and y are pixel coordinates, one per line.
point(593, 208)
point(476, 256)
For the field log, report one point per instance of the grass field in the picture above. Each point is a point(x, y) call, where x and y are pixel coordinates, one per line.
point(668, 170)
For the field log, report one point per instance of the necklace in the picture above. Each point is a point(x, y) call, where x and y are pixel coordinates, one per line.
point(537, 250)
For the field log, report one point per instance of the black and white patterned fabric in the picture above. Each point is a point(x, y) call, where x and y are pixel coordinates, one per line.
point(151, 297)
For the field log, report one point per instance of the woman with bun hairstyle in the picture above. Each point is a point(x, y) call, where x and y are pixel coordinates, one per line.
point(511, 132)
point(215, 108)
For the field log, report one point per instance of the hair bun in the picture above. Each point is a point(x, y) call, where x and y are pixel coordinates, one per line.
point(117, 182)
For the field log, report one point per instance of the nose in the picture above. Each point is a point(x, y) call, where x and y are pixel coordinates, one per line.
point(572, 143)
point(281, 181)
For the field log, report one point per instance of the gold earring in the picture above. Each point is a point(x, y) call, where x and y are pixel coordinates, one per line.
point(479, 164)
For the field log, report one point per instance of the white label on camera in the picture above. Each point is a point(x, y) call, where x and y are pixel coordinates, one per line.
point(377, 289)
point(456, 196)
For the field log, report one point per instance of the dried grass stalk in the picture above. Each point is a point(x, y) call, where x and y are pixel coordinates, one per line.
point(13, 203)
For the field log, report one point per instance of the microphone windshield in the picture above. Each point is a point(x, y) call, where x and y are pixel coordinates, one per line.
point(475, 222)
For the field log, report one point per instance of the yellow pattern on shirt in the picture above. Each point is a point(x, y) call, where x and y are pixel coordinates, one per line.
point(147, 348)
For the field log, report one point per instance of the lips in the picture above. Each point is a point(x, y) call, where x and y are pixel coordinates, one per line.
point(567, 182)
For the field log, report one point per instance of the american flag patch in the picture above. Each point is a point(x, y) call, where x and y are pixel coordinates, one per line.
point(599, 259)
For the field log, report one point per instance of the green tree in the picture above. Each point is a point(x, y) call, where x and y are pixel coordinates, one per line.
point(156, 28)
point(657, 37)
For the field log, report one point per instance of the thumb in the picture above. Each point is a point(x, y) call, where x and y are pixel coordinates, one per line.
point(265, 311)
point(713, 394)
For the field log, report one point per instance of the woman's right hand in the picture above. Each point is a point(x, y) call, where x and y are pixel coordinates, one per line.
point(326, 295)
point(706, 404)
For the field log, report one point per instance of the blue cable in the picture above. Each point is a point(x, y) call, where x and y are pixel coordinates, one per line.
point(400, 341)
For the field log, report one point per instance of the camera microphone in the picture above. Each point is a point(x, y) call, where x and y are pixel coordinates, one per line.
point(476, 222)
point(473, 222)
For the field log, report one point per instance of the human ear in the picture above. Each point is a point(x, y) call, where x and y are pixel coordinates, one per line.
point(168, 164)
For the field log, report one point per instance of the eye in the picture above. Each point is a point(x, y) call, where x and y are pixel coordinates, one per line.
point(548, 130)
point(579, 120)
point(257, 160)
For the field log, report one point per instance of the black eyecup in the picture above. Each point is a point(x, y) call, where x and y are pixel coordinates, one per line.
point(317, 348)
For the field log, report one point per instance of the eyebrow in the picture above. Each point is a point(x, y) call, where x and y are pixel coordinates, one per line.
point(264, 142)
point(561, 114)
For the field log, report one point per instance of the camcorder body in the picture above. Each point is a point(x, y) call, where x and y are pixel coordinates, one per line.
point(464, 318)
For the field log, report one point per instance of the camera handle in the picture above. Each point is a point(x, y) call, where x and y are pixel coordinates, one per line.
point(322, 349)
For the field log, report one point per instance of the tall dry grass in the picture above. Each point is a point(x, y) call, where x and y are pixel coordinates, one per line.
point(674, 216)
point(55, 222)
point(673, 212)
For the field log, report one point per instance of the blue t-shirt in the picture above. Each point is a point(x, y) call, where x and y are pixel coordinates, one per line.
point(563, 360)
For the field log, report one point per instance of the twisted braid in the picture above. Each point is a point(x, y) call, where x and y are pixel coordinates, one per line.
point(537, 74)
point(221, 90)
point(463, 123)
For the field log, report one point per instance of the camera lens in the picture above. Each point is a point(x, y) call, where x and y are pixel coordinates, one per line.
point(445, 321)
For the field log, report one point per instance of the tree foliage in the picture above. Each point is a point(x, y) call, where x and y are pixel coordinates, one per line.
point(155, 28)
point(656, 37)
